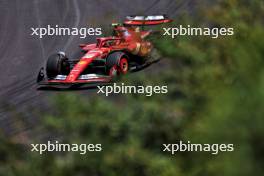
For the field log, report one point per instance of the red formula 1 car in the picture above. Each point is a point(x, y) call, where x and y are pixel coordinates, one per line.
point(127, 50)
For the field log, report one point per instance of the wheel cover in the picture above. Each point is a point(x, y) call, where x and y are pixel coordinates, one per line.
point(123, 66)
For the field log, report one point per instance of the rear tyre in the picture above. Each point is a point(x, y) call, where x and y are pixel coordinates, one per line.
point(57, 64)
point(117, 64)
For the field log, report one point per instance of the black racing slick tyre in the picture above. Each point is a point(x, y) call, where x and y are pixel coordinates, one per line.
point(57, 64)
point(117, 63)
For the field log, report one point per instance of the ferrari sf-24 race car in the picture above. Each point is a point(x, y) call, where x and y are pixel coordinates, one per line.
point(127, 50)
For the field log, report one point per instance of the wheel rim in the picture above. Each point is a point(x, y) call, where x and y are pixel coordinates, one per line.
point(123, 65)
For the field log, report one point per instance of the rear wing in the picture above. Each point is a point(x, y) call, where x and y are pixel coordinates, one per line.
point(138, 20)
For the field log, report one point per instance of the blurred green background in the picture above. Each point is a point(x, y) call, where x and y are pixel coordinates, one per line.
point(216, 95)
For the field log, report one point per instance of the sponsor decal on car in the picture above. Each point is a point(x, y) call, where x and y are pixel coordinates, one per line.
point(60, 77)
point(82, 62)
point(90, 76)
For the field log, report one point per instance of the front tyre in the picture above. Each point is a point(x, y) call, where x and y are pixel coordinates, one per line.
point(57, 64)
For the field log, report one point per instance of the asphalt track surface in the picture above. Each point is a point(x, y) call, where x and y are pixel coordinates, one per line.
point(21, 55)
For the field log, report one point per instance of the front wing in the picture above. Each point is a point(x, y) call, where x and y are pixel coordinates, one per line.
point(60, 80)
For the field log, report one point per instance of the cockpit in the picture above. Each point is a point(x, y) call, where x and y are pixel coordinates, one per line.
point(107, 42)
